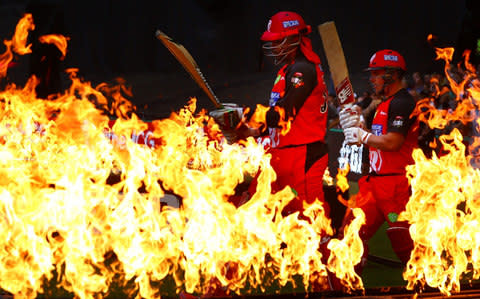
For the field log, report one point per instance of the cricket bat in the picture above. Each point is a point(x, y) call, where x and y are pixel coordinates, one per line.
point(189, 64)
point(336, 63)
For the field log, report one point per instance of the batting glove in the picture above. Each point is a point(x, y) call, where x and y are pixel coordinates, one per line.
point(356, 135)
point(350, 117)
point(227, 117)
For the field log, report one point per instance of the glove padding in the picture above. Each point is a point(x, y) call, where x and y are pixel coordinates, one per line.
point(356, 135)
point(351, 117)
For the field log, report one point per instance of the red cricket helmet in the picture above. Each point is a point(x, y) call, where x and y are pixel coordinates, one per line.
point(387, 59)
point(283, 24)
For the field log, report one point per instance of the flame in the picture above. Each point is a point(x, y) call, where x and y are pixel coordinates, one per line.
point(443, 209)
point(18, 43)
point(347, 253)
point(284, 123)
point(327, 178)
point(258, 120)
point(444, 214)
point(342, 181)
point(61, 212)
point(58, 40)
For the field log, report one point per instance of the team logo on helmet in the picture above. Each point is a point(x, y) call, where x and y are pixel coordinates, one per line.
point(288, 24)
point(269, 25)
point(390, 57)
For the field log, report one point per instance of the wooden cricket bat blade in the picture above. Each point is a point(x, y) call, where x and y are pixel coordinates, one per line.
point(189, 64)
point(336, 62)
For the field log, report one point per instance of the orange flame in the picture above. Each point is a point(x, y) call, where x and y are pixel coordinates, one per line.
point(18, 43)
point(60, 211)
point(327, 178)
point(58, 40)
point(444, 215)
point(443, 209)
point(259, 119)
point(342, 181)
point(347, 253)
point(284, 123)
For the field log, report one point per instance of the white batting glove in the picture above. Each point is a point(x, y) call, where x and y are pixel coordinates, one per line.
point(356, 135)
point(351, 116)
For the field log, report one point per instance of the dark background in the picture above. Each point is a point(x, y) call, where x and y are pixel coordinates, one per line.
point(111, 38)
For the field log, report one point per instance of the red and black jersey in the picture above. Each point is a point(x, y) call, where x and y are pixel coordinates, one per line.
point(394, 115)
point(300, 90)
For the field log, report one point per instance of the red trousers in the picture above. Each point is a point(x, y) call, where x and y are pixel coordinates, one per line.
point(382, 198)
point(292, 169)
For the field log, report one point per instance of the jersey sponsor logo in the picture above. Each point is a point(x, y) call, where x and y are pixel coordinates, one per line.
point(270, 141)
point(390, 57)
point(398, 121)
point(297, 80)
point(375, 160)
point(274, 97)
point(351, 155)
point(377, 129)
point(288, 24)
point(383, 113)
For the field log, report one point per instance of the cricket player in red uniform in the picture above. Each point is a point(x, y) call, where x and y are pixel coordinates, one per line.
point(301, 156)
point(385, 191)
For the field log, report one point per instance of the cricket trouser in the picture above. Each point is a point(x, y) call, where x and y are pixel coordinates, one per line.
point(302, 168)
point(382, 198)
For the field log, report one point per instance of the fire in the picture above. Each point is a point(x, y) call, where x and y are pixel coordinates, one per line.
point(62, 213)
point(19, 40)
point(347, 253)
point(342, 181)
point(17, 44)
point(327, 178)
point(444, 214)
point(58, 40)
point(258, 120)
point(443, 209)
